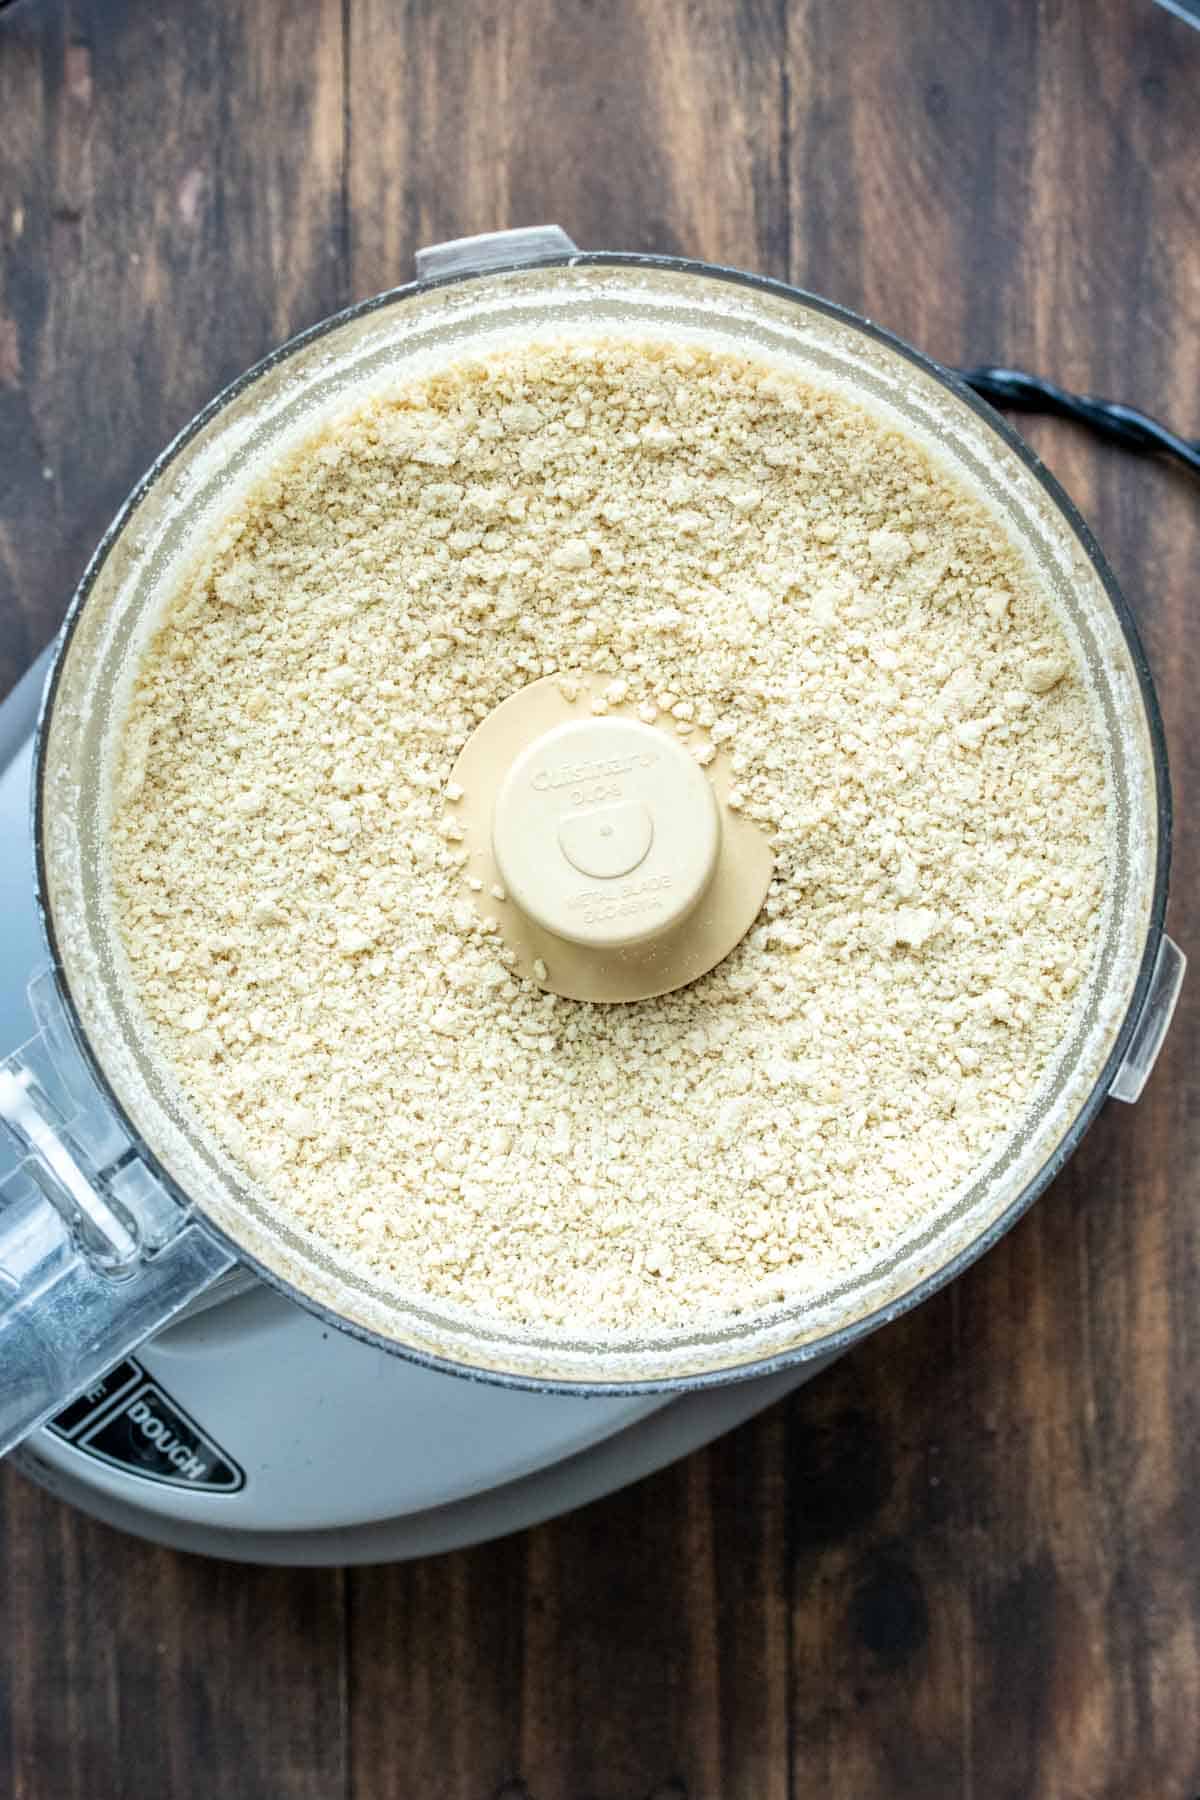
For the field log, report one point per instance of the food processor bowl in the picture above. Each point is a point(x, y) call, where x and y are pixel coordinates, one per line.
point(123, 1169)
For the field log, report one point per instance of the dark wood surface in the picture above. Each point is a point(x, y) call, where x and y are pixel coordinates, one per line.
point(967, 1560)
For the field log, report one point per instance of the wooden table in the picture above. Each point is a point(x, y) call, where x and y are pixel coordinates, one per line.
point(967, 1560)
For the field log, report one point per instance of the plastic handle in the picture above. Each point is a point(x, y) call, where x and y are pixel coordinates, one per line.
point(1165, 983)
point(494, 250)
point(96, 1253)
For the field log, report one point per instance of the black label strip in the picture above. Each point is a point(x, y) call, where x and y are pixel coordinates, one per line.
point(146, 1434)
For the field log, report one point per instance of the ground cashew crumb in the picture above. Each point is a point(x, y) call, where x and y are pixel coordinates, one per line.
point(706, 539)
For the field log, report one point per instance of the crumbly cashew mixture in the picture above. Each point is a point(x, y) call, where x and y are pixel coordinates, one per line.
point(704, 537)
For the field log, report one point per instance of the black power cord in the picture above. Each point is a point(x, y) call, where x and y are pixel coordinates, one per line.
point(1020, 392)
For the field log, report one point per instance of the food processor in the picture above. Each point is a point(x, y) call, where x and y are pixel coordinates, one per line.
point(182, 1362)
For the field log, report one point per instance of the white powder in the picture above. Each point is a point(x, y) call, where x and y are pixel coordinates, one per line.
point(699, 536)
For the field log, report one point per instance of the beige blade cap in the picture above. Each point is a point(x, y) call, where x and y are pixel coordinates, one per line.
point(601, 849)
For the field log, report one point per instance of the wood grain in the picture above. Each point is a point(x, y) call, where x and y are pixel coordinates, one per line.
point(598, 116)
point(171, 205)
point(965, 1561)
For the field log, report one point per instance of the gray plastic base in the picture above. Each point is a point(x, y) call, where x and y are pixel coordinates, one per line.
point(671, 1432)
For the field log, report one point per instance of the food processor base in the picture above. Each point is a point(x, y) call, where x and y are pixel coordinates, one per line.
point(254, 1431)
point(661, 1437)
